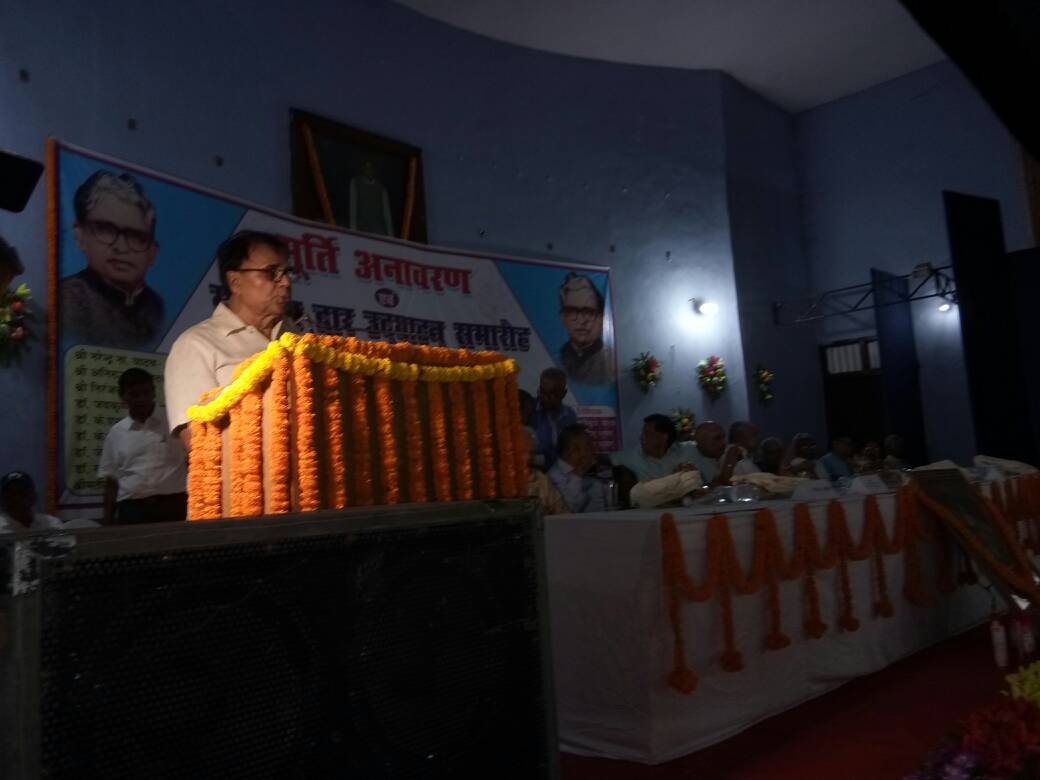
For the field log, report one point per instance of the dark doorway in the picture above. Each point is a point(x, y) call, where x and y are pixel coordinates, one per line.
point(991, 328)
point(853, 392)
point(900, 381)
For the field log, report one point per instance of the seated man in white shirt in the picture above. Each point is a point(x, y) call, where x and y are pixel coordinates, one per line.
point(255, 274)
point(748, 439)
point(144, 466)
point(712, 457)
point(18, 506)
point(571, 473)
point(659, 453)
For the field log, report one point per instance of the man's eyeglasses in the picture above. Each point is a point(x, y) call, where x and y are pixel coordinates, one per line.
point(108, 234)
point(275, 273)
point(582, 312)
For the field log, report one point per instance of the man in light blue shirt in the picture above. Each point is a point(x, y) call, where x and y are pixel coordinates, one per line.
point(551, 414)
point(571, 473)
point(836, 462)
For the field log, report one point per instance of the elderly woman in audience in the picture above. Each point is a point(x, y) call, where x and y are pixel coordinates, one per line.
point(770, 455)
point(895, 453)
point(800, 460)
point(869, 459)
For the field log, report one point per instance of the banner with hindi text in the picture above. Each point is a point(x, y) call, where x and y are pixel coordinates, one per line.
point(133, 266)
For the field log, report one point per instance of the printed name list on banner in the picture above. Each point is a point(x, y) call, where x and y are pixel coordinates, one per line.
point(136, 267)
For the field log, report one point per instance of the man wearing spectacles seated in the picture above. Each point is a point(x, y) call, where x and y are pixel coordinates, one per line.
point(108, 303)
point(257, 281)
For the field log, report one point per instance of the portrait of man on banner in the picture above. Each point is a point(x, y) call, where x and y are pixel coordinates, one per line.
point(584, 357)
point(109, 303)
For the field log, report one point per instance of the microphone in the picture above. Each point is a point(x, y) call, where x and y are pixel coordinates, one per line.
point(301, 320)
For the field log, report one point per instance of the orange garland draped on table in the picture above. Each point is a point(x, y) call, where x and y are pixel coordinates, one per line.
point(723, 574)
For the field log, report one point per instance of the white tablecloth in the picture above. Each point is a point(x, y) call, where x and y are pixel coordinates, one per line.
point(613, 641)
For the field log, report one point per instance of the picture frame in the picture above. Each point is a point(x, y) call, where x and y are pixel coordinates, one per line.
point(356, 179)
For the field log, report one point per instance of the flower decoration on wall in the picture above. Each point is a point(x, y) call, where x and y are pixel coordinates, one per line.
point(684, 423)
point(764, 383)
point(14, 314)
point(646, 370)
point(711, 373)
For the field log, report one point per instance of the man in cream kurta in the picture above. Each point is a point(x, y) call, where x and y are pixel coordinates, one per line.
point(254, 269)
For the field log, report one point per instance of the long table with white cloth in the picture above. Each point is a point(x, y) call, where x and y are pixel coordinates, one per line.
point(613, 641)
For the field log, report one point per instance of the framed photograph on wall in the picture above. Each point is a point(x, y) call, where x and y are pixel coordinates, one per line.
point(355, 179)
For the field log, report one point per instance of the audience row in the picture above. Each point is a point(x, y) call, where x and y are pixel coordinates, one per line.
point(577, 479)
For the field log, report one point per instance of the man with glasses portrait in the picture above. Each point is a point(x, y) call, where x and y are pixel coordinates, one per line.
point(108, 303)
point(257, 281)
point(584, 357)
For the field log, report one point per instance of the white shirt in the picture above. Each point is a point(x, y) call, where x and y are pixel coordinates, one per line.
point(582, 494)
point(40, 522)
point(205, 356)
point(745, 465)
point(144, 458)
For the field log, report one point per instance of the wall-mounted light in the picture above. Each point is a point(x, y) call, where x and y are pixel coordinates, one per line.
point(947, 300)
point(945, 288)
point(707, 308)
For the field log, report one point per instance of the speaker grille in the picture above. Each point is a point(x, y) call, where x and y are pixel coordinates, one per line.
point(404, 653)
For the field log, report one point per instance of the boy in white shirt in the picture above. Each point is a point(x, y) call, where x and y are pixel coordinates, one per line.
point(18, 506)
point(144, 467)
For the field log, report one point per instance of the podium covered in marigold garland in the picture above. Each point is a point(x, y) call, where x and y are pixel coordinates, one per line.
point(326, 422)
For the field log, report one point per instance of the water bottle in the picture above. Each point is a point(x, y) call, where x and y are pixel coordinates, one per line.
point(1026, 640)
point(999, 637)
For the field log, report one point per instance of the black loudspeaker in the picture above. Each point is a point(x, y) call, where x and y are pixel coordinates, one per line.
point(403, 642)
point(18, 177)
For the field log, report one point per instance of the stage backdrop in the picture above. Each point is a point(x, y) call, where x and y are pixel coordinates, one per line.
point(132, 266)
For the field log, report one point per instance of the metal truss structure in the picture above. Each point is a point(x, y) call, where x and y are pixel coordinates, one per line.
point(923, 283)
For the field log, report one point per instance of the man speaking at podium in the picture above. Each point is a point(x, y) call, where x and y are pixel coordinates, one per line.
point(257, 280)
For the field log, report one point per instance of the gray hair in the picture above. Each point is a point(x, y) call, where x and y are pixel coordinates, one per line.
point(122, 186)
point(573, 282)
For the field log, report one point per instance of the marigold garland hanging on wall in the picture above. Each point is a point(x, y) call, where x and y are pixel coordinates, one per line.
point(14, 330)
point(646, 370)
point(711, 373)
point(764, 383)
